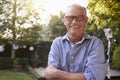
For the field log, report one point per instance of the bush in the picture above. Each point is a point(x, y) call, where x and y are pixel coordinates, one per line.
point(34, 59)
point(43, 51)
point(6, 62)
point(24, 62)
point(21, 61)
point(116, 58)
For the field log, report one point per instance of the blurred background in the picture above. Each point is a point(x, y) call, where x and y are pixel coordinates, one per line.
point(28, 27)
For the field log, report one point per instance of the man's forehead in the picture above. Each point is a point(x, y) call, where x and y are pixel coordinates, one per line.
point(75, 7)
point(74, 11)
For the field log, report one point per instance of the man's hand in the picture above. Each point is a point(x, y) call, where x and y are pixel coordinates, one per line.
point(50, 72)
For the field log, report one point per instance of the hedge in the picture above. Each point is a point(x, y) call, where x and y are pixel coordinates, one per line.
point(7, 62)
point(116, 58)
point(42, 50)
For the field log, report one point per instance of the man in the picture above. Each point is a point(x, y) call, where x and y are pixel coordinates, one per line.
point(76, 56)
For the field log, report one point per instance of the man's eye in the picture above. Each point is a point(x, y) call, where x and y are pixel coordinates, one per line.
point(79, 18)
point(69, 17)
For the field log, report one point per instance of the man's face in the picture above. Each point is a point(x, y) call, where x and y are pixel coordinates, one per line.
point(75, 21)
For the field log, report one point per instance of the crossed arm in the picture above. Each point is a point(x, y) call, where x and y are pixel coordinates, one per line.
point(51, 72)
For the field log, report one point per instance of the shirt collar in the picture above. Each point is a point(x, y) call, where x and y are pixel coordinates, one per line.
point(86, 36)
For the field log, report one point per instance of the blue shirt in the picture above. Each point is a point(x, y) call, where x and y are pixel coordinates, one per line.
point(86, 56)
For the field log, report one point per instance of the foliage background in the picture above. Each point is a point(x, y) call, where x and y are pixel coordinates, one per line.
point(16, 14)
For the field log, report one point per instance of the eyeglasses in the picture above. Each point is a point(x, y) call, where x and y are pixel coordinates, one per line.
point(78, 18)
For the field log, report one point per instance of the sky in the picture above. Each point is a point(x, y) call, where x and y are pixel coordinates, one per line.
point(54, 7)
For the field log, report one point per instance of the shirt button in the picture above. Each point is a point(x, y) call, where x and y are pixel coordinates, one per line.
point(72, 57)
point(71, 70)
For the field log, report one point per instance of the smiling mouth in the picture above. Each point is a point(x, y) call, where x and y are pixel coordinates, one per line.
point(76, 27)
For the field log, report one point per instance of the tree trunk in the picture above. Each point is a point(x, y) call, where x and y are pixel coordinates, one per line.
point(13, 53)
point(13, 30)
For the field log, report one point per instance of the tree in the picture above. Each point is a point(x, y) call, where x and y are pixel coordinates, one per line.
point(30, 36)
point(56, 25)
point(105, 14)
point(16, 15)
point(116, 58)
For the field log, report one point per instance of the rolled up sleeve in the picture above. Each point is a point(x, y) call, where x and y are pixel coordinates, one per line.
point(96, 72)
point(96, 67)
point(89, 75)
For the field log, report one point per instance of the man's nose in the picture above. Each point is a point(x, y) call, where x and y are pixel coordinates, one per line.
point(74, 20)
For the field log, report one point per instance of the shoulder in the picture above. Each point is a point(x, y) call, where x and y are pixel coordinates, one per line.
point(57, 40)
point(96, 39)
point(92, 39)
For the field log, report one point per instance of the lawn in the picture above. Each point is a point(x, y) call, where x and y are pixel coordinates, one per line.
point(10, 75)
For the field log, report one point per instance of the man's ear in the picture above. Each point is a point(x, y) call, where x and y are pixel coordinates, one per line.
point(86, 20)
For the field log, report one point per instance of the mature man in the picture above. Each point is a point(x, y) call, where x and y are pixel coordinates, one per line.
point(76, 56)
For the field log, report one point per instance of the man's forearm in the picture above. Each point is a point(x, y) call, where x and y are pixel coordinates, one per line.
point(63, 75)
point(51, 72)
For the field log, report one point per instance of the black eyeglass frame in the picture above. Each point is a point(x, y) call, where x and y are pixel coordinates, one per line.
point(78, 18)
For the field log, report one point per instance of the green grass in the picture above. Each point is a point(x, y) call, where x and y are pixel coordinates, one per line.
point(9, 75)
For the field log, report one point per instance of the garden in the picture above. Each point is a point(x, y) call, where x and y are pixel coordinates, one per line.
point(25, 41)
point(26, 59)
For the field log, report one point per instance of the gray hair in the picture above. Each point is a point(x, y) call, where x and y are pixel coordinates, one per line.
point(79, 7)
